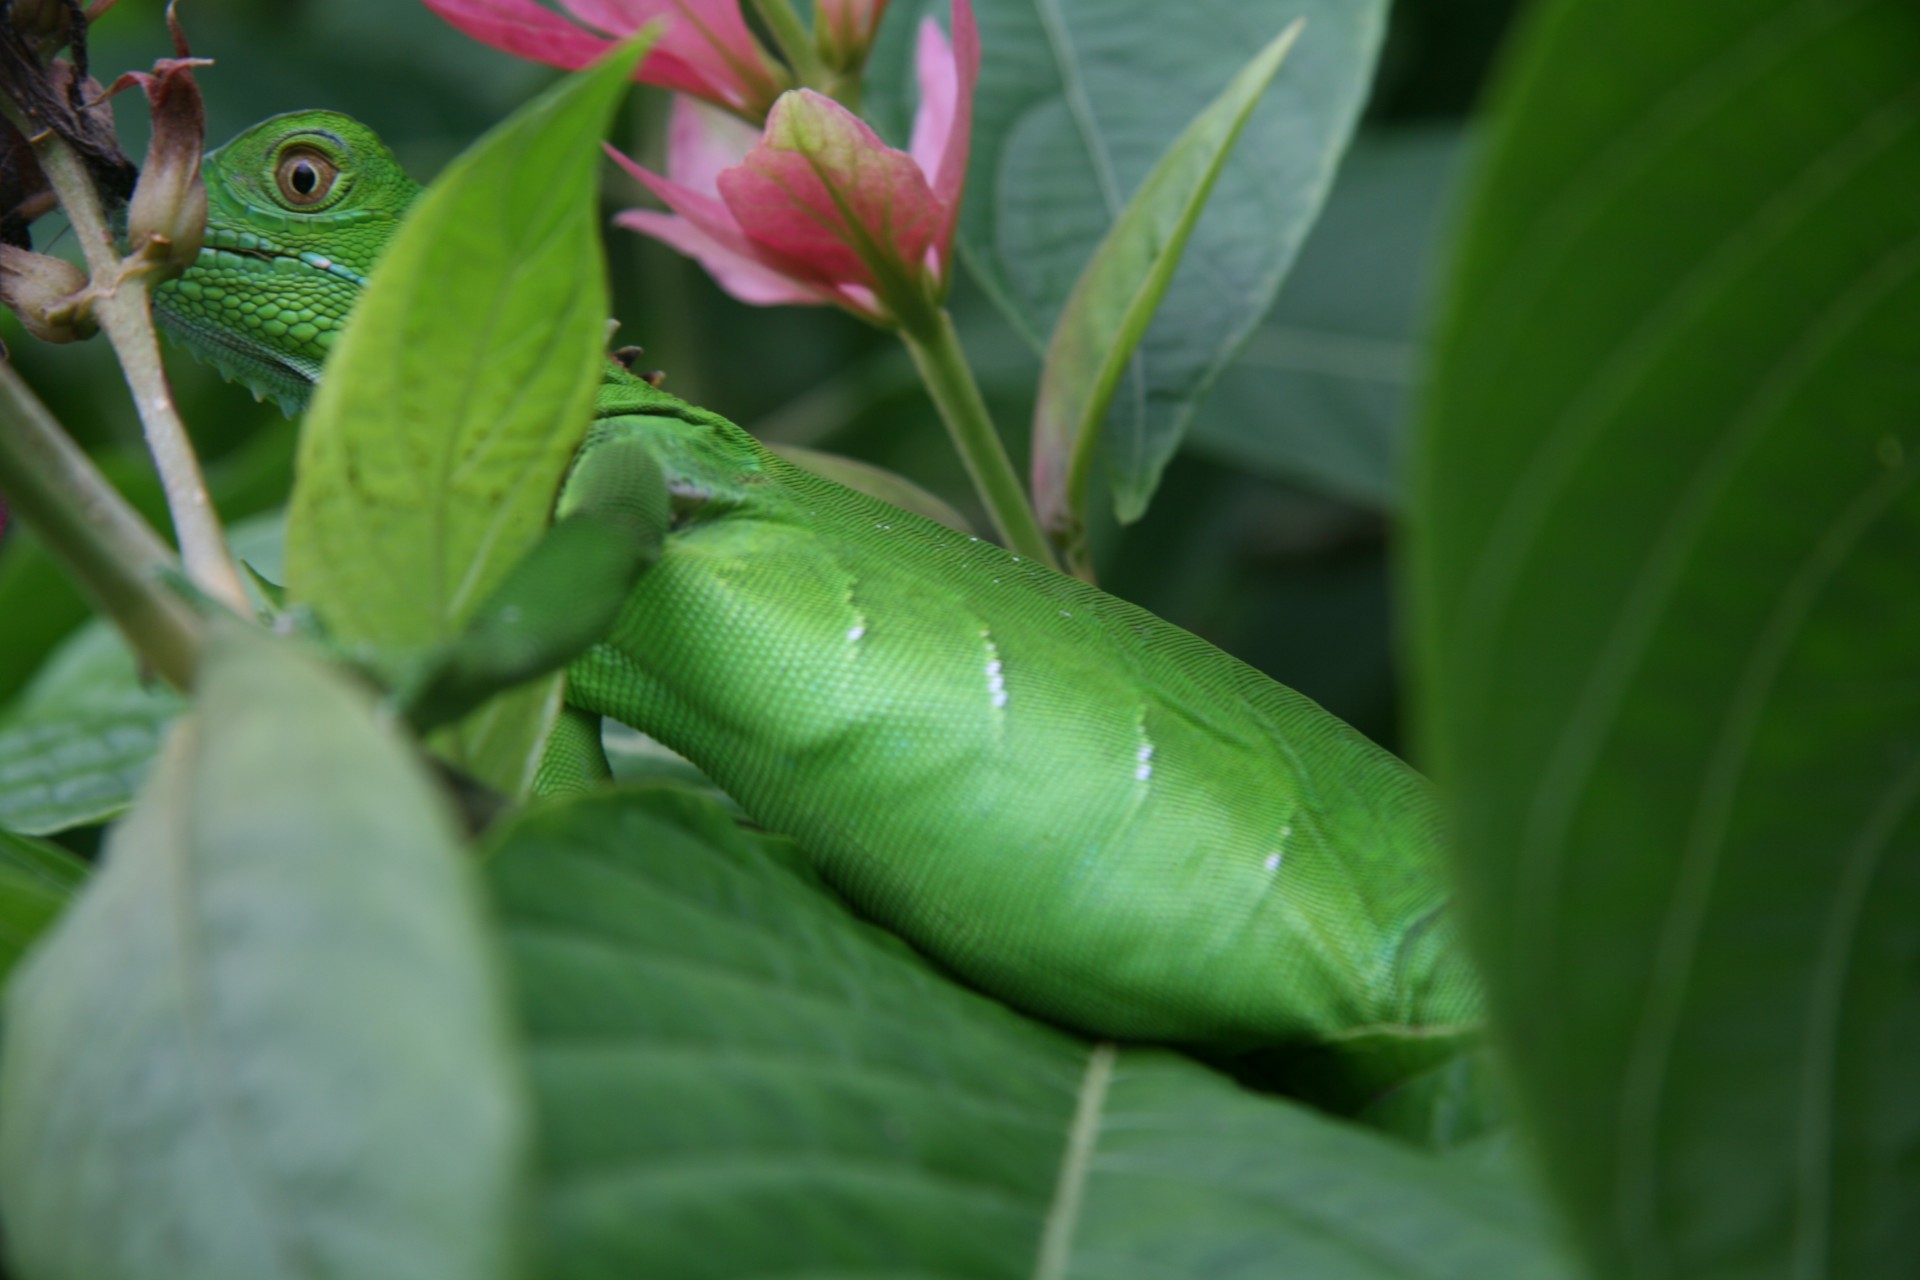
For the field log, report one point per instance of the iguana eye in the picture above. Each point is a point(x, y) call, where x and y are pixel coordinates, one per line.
point(305, 177)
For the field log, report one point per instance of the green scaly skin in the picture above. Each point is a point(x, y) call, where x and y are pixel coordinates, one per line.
point(1071, 803)
point(274, 283)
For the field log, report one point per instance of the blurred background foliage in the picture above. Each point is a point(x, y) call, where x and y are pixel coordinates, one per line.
point(1271, 534)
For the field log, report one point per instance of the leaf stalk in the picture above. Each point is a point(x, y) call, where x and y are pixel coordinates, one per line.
point(935, 346)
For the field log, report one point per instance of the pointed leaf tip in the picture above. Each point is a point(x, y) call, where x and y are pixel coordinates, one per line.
point(1117, 294)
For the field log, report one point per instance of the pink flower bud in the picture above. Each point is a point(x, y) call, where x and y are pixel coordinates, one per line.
point(818, 209)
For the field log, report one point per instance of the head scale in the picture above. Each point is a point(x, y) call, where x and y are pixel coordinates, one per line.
point(298, 209)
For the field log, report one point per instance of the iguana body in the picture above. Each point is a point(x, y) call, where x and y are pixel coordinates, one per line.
point(1079, 807)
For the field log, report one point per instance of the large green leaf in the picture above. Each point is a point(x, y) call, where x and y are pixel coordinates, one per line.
point(455, 400)
point(737, 1077)
point(269, 1039)
point(1666, 521)
point(1077, 101)
point(1321, 393)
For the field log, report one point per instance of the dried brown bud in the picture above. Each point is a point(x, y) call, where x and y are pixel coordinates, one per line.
point(46, 294)
point(48, 23)
point(57, 99)
point(24, 191)
point(167, 220)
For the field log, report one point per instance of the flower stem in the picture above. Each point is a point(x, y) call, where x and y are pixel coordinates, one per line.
point(115, 556)
point(795, 41)
point(122, 310)
point(935, 348)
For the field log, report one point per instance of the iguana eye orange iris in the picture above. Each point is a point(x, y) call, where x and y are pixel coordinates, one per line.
point(305, 177)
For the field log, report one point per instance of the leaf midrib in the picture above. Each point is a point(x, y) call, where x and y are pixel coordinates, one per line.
point(1063, 1214)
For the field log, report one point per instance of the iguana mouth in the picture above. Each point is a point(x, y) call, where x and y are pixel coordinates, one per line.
point(245, 244)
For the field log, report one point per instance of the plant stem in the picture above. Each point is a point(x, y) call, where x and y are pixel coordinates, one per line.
point(795, 41)
point(122, 310)
point(115, 556)
point(1070, 535)
point(935, 347)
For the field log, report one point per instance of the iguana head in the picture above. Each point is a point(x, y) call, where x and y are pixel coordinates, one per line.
point(298, 209)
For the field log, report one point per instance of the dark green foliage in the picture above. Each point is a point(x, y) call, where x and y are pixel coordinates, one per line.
point(1663, 529)
point(736, 1076)
point(1665, 519)
point(268, 1039)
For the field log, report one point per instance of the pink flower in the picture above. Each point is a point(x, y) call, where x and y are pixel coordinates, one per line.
point(817, 209)
point(843, 29)
point(705, 48)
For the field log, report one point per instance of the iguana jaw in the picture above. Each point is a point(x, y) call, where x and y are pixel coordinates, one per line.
point(274, 353)
point(287, 380)
point(282, 364)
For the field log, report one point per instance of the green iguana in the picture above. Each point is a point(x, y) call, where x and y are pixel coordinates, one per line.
point(1083, 810)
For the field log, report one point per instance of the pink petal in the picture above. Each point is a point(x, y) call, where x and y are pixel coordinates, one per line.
point(705, 231)
point(617, 19)
point(705, 46)
point(524, 29)
point(943, 126)
point(703, 209)
point(740, 275)
point(702, 141)
point(826, 199)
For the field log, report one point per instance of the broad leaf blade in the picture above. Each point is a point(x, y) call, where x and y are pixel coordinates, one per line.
point(1077, 101)
point(738, 1077)
point(456, 398)
point(1666, 517)
point(269, 1039)
point(1117, 295)
point(77, 743)
point(1322, 392)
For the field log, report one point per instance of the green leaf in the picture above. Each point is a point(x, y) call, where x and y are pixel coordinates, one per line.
point(455, 400)
point(636, 759)
point(563, 596)
point(36, 881)
point(1078, 99)
point(1665, 525)
point(77, 742)
point(1322, 392)
point(269, 1040)
point(1115, 298)
point(41, 862)
point(736, 1076)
